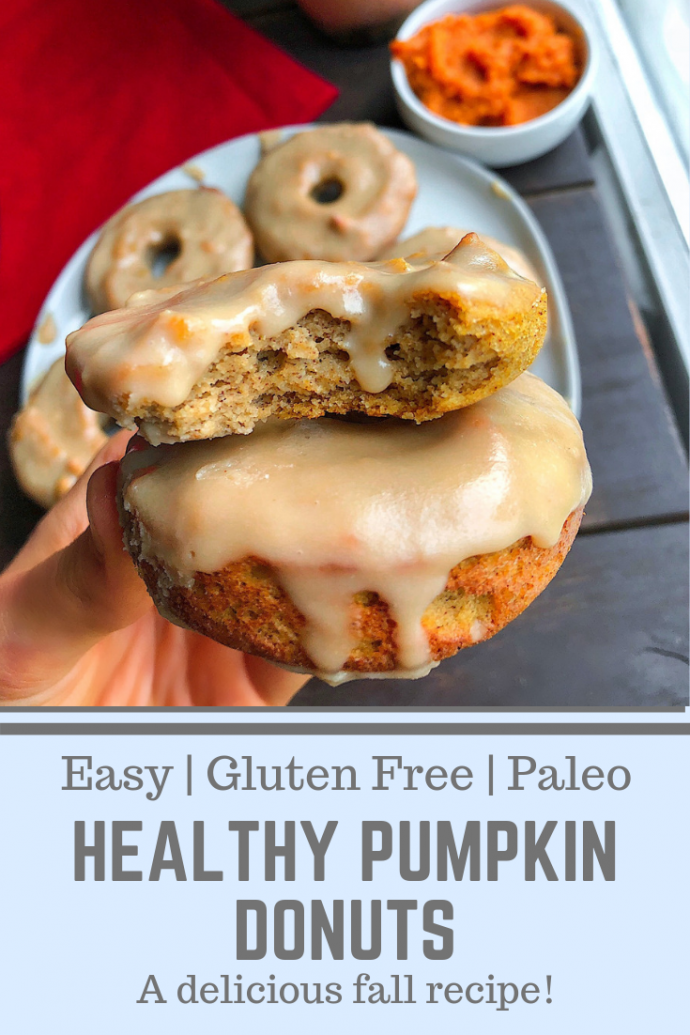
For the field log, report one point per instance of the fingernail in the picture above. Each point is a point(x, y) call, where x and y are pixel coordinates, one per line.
point(136, 444)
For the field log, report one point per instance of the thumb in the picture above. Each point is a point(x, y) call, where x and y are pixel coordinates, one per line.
point(56, 611)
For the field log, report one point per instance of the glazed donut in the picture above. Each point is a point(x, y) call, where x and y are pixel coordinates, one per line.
point(205, 226)
point(310, 337)
point(434, 242)
point(54, 438)
point(349, 549)
point(292, 214)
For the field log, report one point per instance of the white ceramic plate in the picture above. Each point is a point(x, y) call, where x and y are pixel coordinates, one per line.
point(453, 191)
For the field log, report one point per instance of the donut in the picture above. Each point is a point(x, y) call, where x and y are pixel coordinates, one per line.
point(307, 338)
point(54, 438)
point(349, 549)
point(337, 192)
point(204, 227)
point(437, 241)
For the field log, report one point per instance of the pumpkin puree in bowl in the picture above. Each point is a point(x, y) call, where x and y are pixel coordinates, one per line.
point(499, 68)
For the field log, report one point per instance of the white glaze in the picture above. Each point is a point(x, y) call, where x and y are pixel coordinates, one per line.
point(338, 508)
point(433, 242)
point(54, 438)
point(157, 347)
point(378, 185)
point(206, 225)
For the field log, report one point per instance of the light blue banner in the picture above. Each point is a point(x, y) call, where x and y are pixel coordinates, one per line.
point(525, 882)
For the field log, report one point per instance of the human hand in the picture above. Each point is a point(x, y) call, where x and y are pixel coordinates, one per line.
point(77, 626)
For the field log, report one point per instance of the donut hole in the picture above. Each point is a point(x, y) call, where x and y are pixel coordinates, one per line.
point(160, 256)
point(326, 191)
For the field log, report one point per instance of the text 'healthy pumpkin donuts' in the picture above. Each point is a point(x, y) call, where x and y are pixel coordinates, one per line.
point(302, 339)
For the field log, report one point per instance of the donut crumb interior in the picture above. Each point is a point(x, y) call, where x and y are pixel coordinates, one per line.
point(443, 359)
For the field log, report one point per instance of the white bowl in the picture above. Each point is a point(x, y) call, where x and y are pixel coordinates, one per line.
point(499, 145)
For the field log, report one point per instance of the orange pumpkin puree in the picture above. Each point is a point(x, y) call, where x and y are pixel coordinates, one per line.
point(499, 68)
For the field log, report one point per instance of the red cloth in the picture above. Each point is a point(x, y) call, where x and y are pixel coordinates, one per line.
point(97, 98)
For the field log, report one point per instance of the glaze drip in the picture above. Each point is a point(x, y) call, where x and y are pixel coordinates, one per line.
point(158, 347)
point(54, 437)
point(339, 508)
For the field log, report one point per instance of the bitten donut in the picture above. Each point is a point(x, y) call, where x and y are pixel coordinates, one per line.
point(337, 192)
point(304, 338)
point(203, 226)
point(434, 242)
point(54, 438)
point(351, 549)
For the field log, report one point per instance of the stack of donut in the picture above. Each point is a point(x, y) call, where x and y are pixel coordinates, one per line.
point(342, 466)
point(184, 235)
point(338, 193)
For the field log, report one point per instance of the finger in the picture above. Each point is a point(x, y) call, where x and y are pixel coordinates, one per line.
point(136, 444)
point(275, 686)
point(219, 676)
point(57, 610)
point(67, 519)
point(222, 676)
